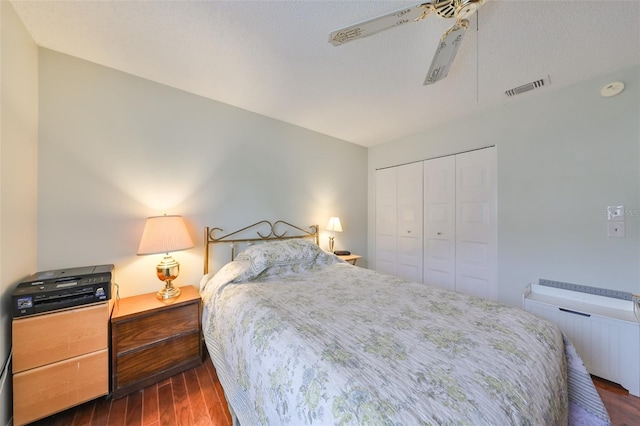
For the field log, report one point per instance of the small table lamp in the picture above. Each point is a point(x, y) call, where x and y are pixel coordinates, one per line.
point(165, 234)
point(333, 226)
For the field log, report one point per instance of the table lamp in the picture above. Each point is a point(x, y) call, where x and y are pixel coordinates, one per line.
point(165, 234)
point(333, 226)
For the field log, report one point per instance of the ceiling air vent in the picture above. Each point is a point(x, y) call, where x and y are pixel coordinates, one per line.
point(525, 87)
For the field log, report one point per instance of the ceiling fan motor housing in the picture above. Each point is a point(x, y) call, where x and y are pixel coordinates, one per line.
point(459, 9)
point(445, 8)
point(466, 8)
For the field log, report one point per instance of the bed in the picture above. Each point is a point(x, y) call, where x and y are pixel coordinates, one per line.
point(300, 337)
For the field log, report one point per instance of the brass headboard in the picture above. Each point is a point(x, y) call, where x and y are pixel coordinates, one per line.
point(268, 233)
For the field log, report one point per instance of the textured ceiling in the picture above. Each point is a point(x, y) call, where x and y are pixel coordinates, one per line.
point(273, 57)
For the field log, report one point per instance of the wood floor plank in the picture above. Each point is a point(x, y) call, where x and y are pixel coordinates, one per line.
point(101, 411)
point(118, 412)
point(209, 393)
point(196, 399)
point(165, 405)
point(83, 414)
point(150, 413)
point(214, 377)
point(164, 382)
point(221, 416)
point(184, 415)
point(134, 409)
point(206, 383)
point(221, 410)
point(64, 418)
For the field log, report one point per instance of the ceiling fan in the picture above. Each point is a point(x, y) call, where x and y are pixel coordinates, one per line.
point(449, 42)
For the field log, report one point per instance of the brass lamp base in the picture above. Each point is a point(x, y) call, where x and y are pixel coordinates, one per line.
point(168, 270)
point(331, 244)
point(169, 291)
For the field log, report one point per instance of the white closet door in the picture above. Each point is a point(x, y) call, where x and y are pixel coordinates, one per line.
point(386, 218)
point(439, 222)
point(409, 214)
point(476, 223)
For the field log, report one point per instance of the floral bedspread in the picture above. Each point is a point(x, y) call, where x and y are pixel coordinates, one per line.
point(319, 341)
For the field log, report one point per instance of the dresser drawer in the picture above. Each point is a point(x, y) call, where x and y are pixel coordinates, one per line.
point(55, 387)
point(44, 339)
point(150, 329)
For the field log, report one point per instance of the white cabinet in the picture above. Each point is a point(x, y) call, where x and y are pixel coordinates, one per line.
point(606, 336)
point(460, 223)
point(399, 221)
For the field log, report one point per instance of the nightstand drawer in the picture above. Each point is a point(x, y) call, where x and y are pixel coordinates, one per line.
point(147, 330)
point(55, 387)
point(153, 360)
point(44, 339)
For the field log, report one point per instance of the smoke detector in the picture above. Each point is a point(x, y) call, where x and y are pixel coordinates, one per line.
point(612, 89)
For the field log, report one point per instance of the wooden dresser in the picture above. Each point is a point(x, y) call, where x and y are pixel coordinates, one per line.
point(153, 339)
point(60, 359)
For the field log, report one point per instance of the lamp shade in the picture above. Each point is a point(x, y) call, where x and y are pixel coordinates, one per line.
point(334, 225)
point(164, 234)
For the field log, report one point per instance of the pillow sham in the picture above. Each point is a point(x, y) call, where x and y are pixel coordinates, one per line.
point(280, 253)
point(234, 271)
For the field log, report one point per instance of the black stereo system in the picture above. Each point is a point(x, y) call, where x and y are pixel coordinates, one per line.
point(63, 288)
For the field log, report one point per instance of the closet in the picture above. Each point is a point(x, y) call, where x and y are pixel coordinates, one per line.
point(436, 222)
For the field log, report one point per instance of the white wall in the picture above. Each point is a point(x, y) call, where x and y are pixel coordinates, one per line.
point(18, 168)
point(562, 158)
point(115, 149)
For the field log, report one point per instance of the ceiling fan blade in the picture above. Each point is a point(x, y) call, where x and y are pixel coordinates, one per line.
point(381, 23)
point(449, 44)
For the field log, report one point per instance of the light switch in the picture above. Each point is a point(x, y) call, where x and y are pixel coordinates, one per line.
point(615, 229)
point(615, 213)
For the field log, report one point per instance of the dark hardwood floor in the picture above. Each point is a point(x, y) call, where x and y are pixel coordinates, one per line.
point(624, 409)
point(195, 397)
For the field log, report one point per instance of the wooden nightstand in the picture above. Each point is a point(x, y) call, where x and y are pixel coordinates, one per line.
point(152, 340)
point(60, 359)
point(351, 258)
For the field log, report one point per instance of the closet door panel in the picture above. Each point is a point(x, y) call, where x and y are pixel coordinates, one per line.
point(476, 223)
point(385, 256)
point(439, 222)
point(409, 225)
point(386, 218)
point(410, 259)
